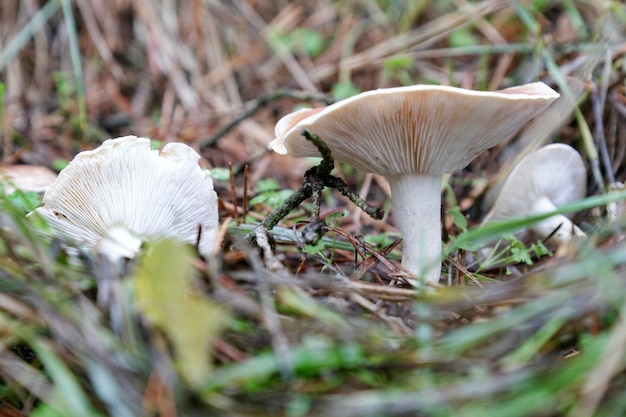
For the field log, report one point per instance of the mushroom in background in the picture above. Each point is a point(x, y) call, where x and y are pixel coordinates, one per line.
point(26, 178)
point(616, 211)
point(412, 136)
point(113, 198)
point(549, 178)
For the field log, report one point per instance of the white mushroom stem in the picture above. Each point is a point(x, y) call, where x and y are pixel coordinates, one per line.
point(119, 243)
point(544, 228)
point(417, 210)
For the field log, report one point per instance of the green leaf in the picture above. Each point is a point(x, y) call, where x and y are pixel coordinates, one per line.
point(381, 239)
point(278, 41)
point(220, 174)
point(344, 89)
point(271, 198)
point(156, 144)
point(267, 184)
point(310, 40)
point(24, 201)
point(458, 217)
point(399, 62)
point(336, 215)
point(521, 255)
point(462, 38)
point(467, 245)
point(312, 249)
point(166, 294)
point(539, 249)
point(59, 163)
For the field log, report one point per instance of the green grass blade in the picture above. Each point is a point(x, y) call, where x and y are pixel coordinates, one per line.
point(76, 64)
point(507, 226)
point(525, 352)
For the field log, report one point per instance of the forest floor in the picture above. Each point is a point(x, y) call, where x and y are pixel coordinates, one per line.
point(327, 328)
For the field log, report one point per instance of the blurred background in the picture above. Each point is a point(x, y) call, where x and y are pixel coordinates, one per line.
point(78, 72)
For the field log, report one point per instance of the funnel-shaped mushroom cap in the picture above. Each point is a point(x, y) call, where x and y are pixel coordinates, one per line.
point(122, 193)
point(421, 128)
point(544, 180)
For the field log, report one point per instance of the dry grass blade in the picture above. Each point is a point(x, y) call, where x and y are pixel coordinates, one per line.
point(420, 38)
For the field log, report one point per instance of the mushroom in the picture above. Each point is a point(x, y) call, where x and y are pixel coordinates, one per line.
point(26, 178)
point(113, 198)
point(543, 181)
point(412, 136)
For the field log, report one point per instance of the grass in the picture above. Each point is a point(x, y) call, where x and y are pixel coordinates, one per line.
point(329, 329)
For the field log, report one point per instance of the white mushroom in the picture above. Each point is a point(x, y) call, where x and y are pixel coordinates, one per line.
point(412, 136)
point(115, 197)
point(549, 178)
point(26, 178)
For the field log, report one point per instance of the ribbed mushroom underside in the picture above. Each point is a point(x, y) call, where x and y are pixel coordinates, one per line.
point(555, 171)
point(124, 184)
point(429, 130)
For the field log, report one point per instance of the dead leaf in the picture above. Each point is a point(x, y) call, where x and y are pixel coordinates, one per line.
point(166, 295)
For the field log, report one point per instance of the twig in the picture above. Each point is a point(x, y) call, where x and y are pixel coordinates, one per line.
point(79, 81)
point(244, 203)
point(316, 178)
point(338, 184)
point(293, 201)
point(465, 272)
point(263, 241)
point(233, 194)
point(386, 292)
point(598, 106)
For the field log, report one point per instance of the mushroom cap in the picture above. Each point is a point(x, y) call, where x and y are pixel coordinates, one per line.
point(123, 193)
point(416, 129)
point(26, 178)
point(556, 172)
